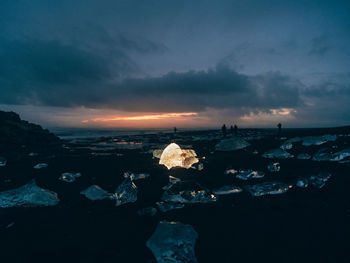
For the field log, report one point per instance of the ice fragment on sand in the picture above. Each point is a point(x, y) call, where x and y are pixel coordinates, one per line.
point(320, 179)
point(286, 146)
point(231, 171)
point(40, 165)
point(277, 153)
point(303, 156)
point(326, 154)
point(302, 183)
point(318, 140)
point(268, 188)
point(3, 161)
point(231, 144)
point(69, 177)
point(249, 174)
point(126, 192)
point(173, 242)
point(135, 177)
point(174, 156)
point(227, 189)
point(274, 167)
point(94, 192)
point(28, 195)
point(189, 196)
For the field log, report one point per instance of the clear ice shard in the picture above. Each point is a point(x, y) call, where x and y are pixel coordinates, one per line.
point(302, 183)
point(188, 192)
point(318, 140)
point(249, 174)
point(227, 189)
point(339, 156)
point(172, 180)
point(325, 154)
point(40, 165)
point(94, 192)
point(274, 167)
point(69, 177)
point(135, 177)
point(174, 156)
point(268, 188)
point(231, 144)
point(173, 242)
point(304, 156)
point(277, 153)
point(126, 192)
point(286, 146)
point(165, 207)
point(3, 161)
point(320, 179)
point(28, 195)
point(230, 171)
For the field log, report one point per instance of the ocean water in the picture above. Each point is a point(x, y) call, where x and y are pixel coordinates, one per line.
point(74, 133)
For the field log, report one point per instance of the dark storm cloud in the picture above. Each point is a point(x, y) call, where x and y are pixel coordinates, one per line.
point(155, 55)
point(54, 75)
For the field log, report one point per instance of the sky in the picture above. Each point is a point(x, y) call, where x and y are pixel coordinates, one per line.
point(190, 64)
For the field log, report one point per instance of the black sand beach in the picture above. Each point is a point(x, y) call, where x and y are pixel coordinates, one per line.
point(302, 225)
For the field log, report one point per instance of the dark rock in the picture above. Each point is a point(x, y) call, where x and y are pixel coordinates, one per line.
point(15, 132)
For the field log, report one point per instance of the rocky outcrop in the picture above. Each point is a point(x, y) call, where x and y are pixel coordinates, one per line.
point(14, 131)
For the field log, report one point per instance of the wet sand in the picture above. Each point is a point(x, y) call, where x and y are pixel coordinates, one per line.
point(302, 225)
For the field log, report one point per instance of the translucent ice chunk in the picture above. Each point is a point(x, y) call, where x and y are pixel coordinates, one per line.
point(69, 177)
point(319, 180)
point(126, 192)
point(189, 196)
point(268, 188)
point(40, 165)
point(274, 167)
point(326, 154)
point(277, 153)
point(303, 156)
point(174, 156)
point(135, 177)
point(28, 195)
point(286, 146)
point(227, 189)
point(231, 144)
point(318, 140)
point(173, 242)
point(302, 183)
point(172, 180)
point(3, 161)
point(231, 171)
point(94, 192)
point(249, 174)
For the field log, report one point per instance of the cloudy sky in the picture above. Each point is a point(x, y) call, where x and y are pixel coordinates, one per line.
point(128, 63)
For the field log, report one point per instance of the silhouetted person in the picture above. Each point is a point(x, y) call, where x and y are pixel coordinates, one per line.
point(175, 130)
point(279, 126)
point(235, 130)
point(224, 130)
point(231, 129)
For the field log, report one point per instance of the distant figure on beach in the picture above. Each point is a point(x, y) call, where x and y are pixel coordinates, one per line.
point(224, 130)
point(235, 130)
point(175, 130)
point(231, 129)
point(279, 126)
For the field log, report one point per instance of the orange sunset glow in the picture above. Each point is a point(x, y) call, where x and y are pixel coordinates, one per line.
point(143, 120)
